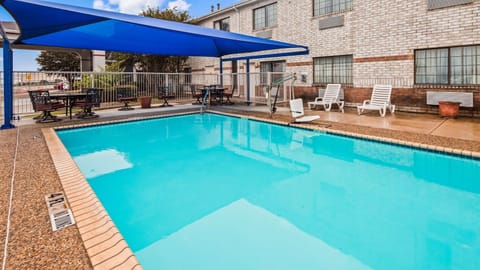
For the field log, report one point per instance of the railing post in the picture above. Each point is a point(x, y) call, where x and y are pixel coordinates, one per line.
point(7, 84)
point(248, 81)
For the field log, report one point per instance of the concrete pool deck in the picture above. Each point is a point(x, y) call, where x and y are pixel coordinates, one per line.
point(33, 245)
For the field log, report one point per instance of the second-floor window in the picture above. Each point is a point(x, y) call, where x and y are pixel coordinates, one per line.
point(324, 7)
point(223, 24)
point(265, 16)
point(334, 69)
point(456, 65)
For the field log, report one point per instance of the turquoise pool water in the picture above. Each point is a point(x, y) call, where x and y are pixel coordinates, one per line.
point(214, 192)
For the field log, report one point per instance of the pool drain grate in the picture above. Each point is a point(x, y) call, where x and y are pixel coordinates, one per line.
point(60, 215)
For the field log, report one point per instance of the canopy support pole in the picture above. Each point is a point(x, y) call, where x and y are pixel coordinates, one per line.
point(221, 72)
point(7, 84)
point(248, 81)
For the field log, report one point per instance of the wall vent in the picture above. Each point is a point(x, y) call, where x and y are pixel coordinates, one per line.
point(434, 4)
point(60, 215)
point(331, 22)
point(265, 34)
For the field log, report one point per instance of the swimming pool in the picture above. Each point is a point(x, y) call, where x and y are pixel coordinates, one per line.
point(214, 192)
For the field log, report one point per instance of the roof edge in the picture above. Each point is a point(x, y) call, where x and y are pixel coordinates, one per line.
point(224, 10)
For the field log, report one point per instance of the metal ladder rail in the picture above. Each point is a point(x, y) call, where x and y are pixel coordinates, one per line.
point(273, 107)
point(207, 92)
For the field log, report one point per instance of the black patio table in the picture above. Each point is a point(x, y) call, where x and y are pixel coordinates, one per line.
point(215, 92)
point(69, 99)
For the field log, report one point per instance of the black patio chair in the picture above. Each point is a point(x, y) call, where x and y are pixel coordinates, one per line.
point(196, 94)
point(165, 93)
point(228, 95)
point(41, 101)
point(92, 99)
point(125, 95)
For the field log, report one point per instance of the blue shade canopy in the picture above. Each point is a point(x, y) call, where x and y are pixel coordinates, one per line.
point(57, 25)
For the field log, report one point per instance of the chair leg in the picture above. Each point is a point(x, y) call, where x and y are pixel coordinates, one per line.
point(327, 106)
point(359, 110)
point(47, 117)
point(383, 111)
point(392, 109)
point(165, 103)
point(340, 105)
point(87, 113)
point(125, 107)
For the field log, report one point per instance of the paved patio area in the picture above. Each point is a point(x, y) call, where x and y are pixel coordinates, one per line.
point(465, 128)
point(33, 245)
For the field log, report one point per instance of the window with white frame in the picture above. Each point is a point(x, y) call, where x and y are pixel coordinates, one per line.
point(455, 65)
point(324, 7)
point(333, 69)
point(223, 24)
point(265, 16)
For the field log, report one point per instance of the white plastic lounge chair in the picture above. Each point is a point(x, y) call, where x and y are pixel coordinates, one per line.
point(330, 96)
point(296, 107)
point(380, 100)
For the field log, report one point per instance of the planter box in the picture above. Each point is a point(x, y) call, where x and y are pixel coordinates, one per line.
point(145, 102)
point(448, 108)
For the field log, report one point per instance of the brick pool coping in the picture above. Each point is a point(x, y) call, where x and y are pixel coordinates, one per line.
point(105, 246)
point(103, 242)
point(322, 128)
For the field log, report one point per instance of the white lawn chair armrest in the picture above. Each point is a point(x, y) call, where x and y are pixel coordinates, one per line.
point(318, 99)
point(366, 102)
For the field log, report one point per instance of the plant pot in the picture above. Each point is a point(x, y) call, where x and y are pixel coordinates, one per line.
point(145, 102)
point(448, 108)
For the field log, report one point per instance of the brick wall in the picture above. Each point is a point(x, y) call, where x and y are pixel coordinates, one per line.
point(382, 36)
point(405, 99)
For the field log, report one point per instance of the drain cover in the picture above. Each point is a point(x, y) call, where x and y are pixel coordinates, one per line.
point(60, 215)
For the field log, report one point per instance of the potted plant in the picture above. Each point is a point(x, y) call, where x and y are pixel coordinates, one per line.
point(145, 101)
point(448, 108)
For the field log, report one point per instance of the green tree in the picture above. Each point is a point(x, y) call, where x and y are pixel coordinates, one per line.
point(62, 62)
point(58, 61)
point(154, 63)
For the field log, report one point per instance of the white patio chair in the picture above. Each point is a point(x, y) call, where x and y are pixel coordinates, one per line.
point(296, 108)
point(380, 100)
point(330, 96)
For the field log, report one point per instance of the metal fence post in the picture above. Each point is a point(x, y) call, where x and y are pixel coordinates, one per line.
point(7, 84)
point(248, 81)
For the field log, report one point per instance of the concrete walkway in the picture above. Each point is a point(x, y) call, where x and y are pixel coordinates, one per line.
point(466, 128)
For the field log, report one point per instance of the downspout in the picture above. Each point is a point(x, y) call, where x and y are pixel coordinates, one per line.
point(238, 18)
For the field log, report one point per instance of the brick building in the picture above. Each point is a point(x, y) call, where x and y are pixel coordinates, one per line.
point(416, 45)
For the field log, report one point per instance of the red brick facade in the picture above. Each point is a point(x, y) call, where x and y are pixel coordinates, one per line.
point(405, 99)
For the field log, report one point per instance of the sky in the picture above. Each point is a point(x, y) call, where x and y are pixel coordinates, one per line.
point(24, 60)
